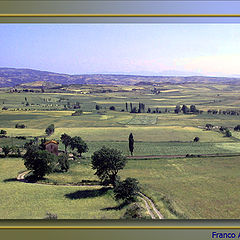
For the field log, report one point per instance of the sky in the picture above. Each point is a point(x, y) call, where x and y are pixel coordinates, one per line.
point(145, 49)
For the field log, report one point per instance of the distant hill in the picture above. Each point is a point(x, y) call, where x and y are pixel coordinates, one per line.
point(10, 77)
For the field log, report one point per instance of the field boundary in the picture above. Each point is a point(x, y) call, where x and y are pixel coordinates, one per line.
point(183, 156)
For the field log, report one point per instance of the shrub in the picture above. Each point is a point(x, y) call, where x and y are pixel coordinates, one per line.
point(20, 125)
point(112, 108)
point(228, 133)
point(237, 128)
point(134, 211)
point(63, 162)
point(126, 190)
point(77, 113)
point(196, 139)
point(3, 132)
point(50, 216)
point(50, 129)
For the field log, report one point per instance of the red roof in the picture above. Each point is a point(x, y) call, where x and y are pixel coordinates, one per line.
point(51, 141)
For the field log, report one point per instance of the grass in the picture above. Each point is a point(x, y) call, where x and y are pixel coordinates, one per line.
point(148, 133)
point(32, 201)
point(192, 188)
point(166, 148)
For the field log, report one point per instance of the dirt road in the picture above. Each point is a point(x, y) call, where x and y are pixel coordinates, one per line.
point(152, 210)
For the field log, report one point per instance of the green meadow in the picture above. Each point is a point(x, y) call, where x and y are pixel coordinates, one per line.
point(197, 187)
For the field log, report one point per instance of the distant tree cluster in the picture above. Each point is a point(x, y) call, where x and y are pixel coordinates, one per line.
point(224, 112)
point(20, 125)
point(225, 131)
point(208, 126)
point(237, 128)
point(75, 105)
point(134, 109)
point(185, 109)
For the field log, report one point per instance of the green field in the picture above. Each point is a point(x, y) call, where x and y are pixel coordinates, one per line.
point(181, 188)
point(32, 201)
point(199, 188)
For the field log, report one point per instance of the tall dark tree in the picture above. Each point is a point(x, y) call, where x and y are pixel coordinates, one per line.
point(131, 143)
point(185, 109)
point(108, 162)
point(177, 109)
point(193, 109)
point(126, 106)
point(134, 110)
point(66, 140)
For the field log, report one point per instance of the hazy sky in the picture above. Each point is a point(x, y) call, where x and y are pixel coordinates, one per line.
point(204, 49)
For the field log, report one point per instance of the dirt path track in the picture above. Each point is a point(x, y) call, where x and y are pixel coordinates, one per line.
point(151, 207)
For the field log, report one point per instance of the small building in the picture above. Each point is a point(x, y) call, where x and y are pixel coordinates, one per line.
point(52, 147)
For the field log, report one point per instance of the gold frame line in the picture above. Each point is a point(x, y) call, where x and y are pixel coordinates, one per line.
point(117, 15)
point(114, 15)
point(119, 227)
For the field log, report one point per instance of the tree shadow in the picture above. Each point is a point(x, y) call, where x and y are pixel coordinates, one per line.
point(10, 180)
point(117, 208)
point(87, 193)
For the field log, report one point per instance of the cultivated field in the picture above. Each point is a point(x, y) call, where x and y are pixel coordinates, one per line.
point(198, 186)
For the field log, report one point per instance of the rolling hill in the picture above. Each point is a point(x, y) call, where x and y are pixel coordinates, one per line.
point(10, 77)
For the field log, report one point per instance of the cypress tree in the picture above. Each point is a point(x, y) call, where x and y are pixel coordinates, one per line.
point(131, 143)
